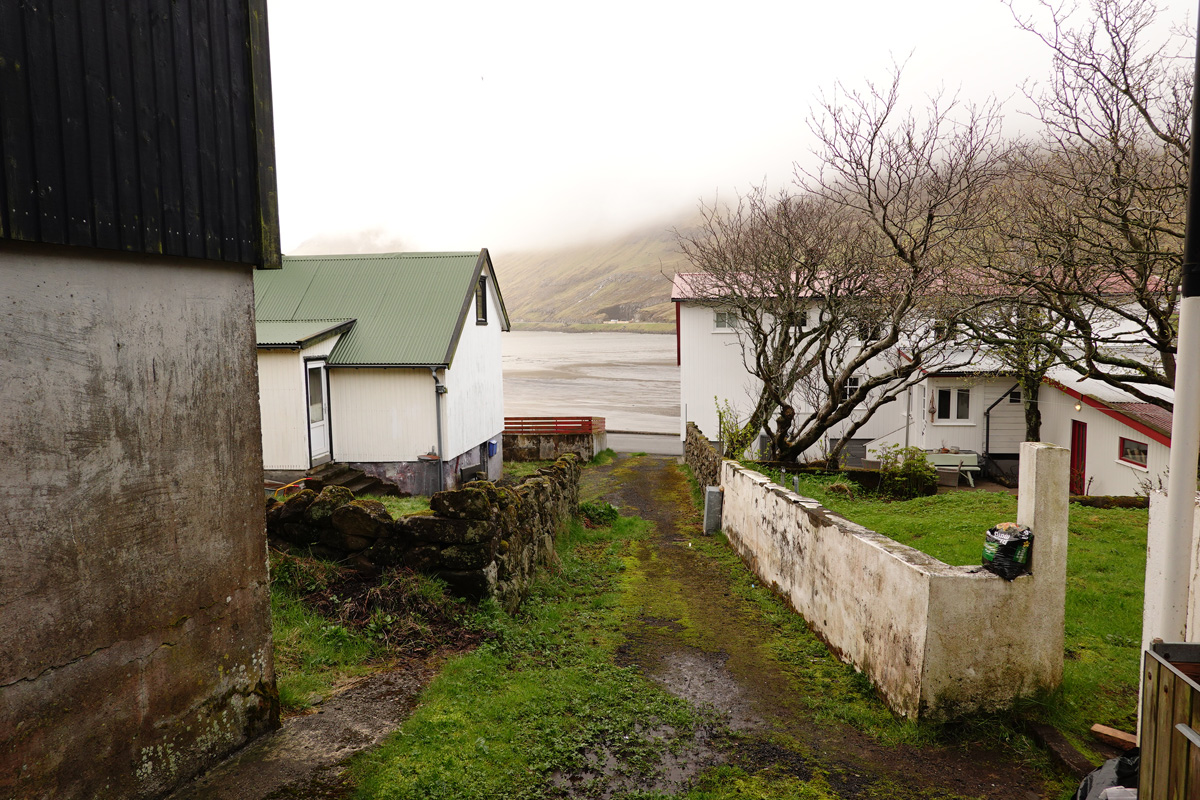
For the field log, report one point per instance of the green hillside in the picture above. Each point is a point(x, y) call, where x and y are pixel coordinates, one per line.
point(627, 278)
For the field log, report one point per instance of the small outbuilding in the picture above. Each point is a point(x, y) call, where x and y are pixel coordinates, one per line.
point(390, 363)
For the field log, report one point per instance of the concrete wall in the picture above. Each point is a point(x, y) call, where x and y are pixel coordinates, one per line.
point(936, 640)
point(135, 615)
point(549, 446)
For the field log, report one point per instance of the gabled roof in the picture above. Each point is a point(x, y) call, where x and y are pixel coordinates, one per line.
point(297, 333)
point(409, 308)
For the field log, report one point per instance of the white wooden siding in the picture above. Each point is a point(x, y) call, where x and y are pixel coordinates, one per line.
point(284, 409)
point(381, 414)
point(711, 366)
point(473, 409)
point(1104, 472)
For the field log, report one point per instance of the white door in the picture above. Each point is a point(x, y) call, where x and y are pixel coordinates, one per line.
point(318, 412)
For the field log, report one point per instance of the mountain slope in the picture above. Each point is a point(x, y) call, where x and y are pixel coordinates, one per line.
point(628, 278)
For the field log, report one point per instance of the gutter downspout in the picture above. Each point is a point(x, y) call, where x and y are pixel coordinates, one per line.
point(439, 389)
point(907, 413)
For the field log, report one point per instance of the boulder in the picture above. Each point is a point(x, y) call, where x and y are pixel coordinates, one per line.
point(331, 498)
point(449, 531)
point(362, 519)
point(467, 556)
point(292, 509)
point(469, 503)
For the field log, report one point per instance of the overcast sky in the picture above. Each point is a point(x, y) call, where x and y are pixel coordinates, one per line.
point(516, 125)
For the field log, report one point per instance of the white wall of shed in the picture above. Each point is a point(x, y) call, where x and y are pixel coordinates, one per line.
point(284, 408)
point(283, 403)
point(1104, 472)
point(381, 414)
point(473, 408)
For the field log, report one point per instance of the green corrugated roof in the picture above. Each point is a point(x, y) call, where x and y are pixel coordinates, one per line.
point(409, 307)
point(295, 333)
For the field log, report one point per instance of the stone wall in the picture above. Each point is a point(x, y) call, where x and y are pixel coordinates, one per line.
point(936, 640)
point(134, 605)
point(547, 446)
point(482, 540)
point(702, 457)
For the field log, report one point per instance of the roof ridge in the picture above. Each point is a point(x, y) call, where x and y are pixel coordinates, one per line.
point(380, 256)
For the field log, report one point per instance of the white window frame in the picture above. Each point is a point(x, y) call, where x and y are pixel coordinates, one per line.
point(1121, 452)
point(954, 416)
point(725, 321)
point(851, 386)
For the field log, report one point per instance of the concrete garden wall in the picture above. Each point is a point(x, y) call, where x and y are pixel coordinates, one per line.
point(936, 640)
point(546, 446)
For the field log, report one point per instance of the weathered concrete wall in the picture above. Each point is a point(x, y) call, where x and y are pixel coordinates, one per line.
point(702, 457)
point(134, 614)
point(483, 541)
point(549, 446)
point(936, 640)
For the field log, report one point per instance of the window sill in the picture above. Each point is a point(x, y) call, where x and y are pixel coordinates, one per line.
point(1133, 465)
point(481, 322)
point(953, 423)
point(725, 330)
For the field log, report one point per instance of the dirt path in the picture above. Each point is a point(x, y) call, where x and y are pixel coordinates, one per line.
point(722, 663)
point(304, 758)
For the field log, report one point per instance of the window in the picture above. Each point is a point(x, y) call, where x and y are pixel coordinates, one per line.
point(1014, 396)
point(953, 405)
point(870, 331)
point(802, 319)
point(1134, 452)
point(724, 320)
point(481, 301)
point(852, 384)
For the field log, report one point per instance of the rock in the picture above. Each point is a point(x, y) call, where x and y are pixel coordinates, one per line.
point(474, 585)
point(299, 533)
point(467, 556)
point(468, 503)
point(362, 519)
point(294, 507)
point(449, 531)
point(331, 498)
point(421, 557)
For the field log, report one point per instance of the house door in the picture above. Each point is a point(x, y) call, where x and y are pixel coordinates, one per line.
point(318, 413)
point(1078, 456)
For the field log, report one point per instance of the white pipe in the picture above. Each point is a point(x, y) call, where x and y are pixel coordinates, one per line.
point(1180, 514)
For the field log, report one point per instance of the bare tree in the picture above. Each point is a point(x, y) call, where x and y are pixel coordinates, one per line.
point(1104, 194)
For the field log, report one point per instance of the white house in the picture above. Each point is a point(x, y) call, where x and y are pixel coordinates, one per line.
point(389, 363)
point(710, 356)
point(1119, 446)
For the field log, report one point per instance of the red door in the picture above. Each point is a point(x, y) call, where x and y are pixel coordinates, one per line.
point(1078, 456)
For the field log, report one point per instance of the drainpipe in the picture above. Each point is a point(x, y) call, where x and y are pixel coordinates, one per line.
point(907, 413)
point(1172, 588)
point(439, 389)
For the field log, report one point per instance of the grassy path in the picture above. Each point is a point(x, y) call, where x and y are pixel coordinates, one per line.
point(651, 664)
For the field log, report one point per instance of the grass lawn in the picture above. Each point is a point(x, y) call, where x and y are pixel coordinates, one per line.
point(1106, 564)
point(401, 506)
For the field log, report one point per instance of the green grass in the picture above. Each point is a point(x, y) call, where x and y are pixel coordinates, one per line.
point(603, 458)
point(497, 722)
point(1106, 563)
point(516, 470)
point(313, 654)
point(401, 506)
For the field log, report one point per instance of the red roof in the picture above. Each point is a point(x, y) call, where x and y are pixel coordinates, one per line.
point(1148, 414)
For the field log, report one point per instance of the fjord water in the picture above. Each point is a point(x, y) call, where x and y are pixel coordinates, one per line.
point(630, 379)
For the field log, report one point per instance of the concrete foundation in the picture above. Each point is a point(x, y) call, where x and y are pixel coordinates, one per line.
point(135, 611)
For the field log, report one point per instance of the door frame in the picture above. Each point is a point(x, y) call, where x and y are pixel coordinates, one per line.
point(1078, 473)
point(318, 363)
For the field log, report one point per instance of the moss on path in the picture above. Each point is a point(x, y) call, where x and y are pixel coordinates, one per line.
point(709, 633)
